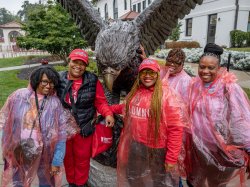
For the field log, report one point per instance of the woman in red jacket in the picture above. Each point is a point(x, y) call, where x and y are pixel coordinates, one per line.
point(151, 139)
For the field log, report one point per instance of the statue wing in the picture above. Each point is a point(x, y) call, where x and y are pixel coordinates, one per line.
point(86, 17)
point(156, 22)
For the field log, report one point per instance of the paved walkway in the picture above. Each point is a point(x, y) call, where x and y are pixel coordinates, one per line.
point(27, 66)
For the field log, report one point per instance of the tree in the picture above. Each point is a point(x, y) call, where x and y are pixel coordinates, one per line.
point(26, 8)
point(51, 29)
point(6, 16)
point(175, 34)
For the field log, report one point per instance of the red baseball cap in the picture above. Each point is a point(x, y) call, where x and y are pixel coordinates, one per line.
point(79, 54)
point(149, 64)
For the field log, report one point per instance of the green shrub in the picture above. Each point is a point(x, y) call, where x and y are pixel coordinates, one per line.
point(175, 34)
point(240, 38)
point(90, 53)
point(248, 39)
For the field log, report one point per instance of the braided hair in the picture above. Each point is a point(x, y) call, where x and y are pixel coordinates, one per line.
point(213, 50)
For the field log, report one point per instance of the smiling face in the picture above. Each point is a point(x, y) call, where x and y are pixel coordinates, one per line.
point(208, 68)
point(45, 86)
point(76, 69)
point(174, 67)
point(175, 61)
point(148, 77)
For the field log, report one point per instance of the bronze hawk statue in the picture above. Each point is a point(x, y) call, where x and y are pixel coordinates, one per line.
point(117, 44)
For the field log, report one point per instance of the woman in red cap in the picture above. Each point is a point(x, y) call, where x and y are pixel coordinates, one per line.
point(151, 139)
point(82, 93)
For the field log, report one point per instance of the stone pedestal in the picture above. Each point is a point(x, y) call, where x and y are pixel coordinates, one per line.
point(101, 176)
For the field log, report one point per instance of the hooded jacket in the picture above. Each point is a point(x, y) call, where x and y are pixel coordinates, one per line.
point(171, 125)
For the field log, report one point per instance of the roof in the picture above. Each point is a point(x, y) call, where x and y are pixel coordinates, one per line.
point(12, 24)
point(129, 15)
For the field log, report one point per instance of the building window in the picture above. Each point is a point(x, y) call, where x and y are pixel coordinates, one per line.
point(134, 8)
point(125, 4)
point(139, 7)
point(115, 8)
point(1, 36)
point(149, 1)
point(189, 27)
point(143, 5)
point(248, 26)
point(106, 12)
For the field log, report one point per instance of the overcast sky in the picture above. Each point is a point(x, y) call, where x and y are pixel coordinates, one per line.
point(14, 5)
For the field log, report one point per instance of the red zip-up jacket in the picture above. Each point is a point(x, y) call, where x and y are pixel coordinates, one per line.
point(171, 125)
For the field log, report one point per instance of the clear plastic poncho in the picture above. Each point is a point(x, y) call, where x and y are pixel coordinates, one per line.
point(140, 159)
point(16, 120)
point(180, 82)
point(220, 114)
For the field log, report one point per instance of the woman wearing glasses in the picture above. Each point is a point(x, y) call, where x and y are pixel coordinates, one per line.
point(178, 79)
point(35, 128)
point(152, 136)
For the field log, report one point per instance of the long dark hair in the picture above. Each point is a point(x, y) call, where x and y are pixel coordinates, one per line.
point(49, 71)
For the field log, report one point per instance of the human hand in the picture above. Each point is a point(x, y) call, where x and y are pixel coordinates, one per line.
point(143, 55)
point(169, 167)
point(110, 121)
point(55, 170)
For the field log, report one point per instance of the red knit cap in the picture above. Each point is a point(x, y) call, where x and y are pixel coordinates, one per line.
point(149, 64)
point(79, 54)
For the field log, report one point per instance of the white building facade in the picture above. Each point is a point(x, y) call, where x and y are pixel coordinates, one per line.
point(8, 34)
point(214, 19)
point(210, 22)
point(113, 9)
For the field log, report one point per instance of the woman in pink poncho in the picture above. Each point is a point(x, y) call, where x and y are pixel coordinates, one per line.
point(35, 128)
point(220, 113)
point(178, 79)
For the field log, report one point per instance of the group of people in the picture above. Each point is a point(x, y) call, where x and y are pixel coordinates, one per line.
point(174, 125)
point(48, 125)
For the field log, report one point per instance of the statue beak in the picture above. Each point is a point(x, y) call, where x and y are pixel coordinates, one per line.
point(109, 81)
point(110, 76)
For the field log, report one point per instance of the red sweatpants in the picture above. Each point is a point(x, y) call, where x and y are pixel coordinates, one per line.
point(77, 159)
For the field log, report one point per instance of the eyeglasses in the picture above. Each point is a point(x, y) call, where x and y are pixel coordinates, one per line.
point(148, 72)
point(45, 83)
point(169, 62)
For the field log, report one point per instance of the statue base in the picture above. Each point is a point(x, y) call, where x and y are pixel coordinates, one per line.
point(101, 176)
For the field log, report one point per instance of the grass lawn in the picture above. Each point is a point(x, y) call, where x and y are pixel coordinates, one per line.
point(244, 49)
point(16, 61)
point(247, 90)
point(9, 83)
point(8, 62)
